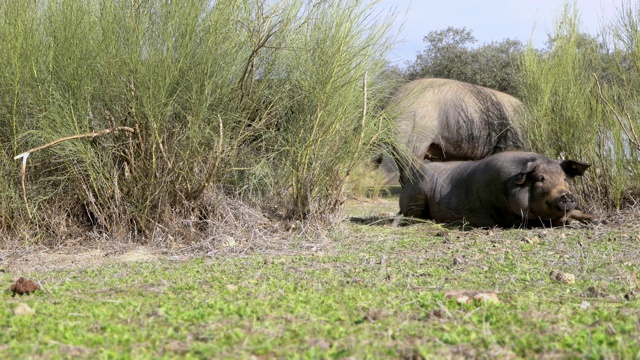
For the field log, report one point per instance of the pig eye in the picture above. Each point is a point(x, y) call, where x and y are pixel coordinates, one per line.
point(540, 178)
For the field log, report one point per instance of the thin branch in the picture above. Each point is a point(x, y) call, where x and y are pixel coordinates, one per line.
point(198, 194)
point(631, 132)
point(26, 154)
point(364, 113)
point(363, 124)
point(78, 136)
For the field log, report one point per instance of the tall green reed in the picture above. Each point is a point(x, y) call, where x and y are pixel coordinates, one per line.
point(570, 116)
point(259, 101)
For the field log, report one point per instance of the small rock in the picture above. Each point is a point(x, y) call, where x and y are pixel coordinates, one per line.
point(530, 240)
point(469, 296)
point(23, 309)
point(564, 278)
point(584, 305)
point(230, 242)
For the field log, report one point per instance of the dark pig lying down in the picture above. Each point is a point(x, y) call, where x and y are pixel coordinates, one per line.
point(507, 189)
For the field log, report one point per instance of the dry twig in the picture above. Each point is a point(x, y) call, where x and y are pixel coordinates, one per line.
point(630, 132)
point(26, 154)
point(198, 193)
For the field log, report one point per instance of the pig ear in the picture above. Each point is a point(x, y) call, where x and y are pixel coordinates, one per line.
point(574, 168)
point(530, 167)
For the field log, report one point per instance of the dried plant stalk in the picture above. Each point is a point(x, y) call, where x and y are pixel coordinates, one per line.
point(26, 154)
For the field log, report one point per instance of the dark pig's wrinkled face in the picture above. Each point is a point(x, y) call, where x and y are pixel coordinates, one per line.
point(541, 190)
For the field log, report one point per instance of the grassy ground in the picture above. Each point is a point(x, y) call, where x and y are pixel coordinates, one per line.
point(364, 291)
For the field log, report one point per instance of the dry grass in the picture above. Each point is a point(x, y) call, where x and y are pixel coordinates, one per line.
point(240, 230)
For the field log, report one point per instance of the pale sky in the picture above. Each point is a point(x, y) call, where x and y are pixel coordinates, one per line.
point(489, 20)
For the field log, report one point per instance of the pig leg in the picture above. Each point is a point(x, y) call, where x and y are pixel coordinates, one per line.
point(580, 216)
point(575, 215)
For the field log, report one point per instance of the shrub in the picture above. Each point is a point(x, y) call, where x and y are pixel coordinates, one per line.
point(262, 101)
point(573, 89)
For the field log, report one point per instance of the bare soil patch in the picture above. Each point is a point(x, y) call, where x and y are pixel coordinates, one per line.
point(39, 259)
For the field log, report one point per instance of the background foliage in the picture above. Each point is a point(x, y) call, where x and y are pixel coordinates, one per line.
point(569, 116)
point(583, 98)
point(450, 54)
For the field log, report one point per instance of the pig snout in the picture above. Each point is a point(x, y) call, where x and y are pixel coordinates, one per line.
point(567, 202)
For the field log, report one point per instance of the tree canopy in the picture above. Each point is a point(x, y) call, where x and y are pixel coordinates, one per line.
point(451, 54)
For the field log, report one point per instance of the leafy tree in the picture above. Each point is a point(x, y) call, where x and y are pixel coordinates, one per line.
point(447, 55)
point(450, 54)
point(496, 65)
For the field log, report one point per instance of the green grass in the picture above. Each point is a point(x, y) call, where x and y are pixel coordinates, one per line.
point(368, 292)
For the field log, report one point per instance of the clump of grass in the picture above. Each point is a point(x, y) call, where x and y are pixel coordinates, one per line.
point(263, 102)
point(570, 117)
